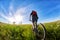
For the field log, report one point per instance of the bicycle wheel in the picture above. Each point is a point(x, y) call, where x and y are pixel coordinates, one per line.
point(36, 33)
point(41, 30)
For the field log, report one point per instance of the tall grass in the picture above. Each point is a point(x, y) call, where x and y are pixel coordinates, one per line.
point(24, 32)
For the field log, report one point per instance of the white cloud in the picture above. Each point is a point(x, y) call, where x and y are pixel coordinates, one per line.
point(3, 9)
point(16, 16)
point(11, 11)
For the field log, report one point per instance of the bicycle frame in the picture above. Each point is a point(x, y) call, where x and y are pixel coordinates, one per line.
point(35, 26)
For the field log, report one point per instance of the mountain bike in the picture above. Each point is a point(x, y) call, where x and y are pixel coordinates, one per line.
point(39, 31)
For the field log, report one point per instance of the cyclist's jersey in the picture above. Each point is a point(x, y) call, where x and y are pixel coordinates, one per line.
point(34, 16)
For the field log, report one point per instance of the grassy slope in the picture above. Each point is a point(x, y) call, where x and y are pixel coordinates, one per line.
point(53, 29)
point(24, 32)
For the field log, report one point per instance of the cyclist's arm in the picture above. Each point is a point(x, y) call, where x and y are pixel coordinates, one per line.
point(37, 17)
point(30, 16)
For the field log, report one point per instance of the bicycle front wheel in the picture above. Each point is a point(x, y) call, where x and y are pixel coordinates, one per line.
point(41, 30)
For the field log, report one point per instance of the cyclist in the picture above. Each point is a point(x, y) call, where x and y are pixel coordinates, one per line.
point(34, 18)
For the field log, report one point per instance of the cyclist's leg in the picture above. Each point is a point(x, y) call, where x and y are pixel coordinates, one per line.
point(36, 25)
point(35, 29)
point(33, 26)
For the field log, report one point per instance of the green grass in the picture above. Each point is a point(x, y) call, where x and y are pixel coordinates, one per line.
point(24, 32)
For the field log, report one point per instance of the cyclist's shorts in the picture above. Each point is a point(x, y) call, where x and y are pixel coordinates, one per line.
point(34, 19)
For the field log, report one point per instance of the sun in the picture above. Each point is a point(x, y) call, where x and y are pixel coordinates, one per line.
point(15, 15)
point(17, 19)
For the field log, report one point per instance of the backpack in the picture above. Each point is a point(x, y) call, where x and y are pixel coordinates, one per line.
point(34, 14)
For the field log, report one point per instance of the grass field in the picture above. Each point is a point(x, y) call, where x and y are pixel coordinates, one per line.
point(24, 32)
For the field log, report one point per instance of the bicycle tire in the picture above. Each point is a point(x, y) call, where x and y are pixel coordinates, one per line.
point(37, 33)
point(42, 31)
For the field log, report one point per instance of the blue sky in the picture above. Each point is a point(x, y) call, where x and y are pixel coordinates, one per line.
point(19, 10)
